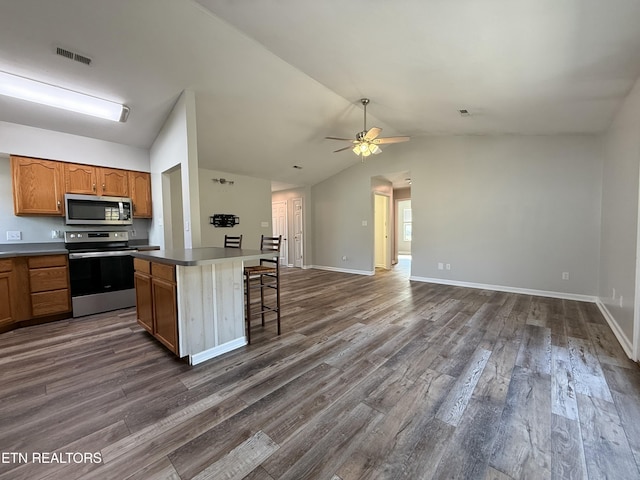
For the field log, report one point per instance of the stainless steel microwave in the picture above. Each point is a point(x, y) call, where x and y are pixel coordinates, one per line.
point(93, 210)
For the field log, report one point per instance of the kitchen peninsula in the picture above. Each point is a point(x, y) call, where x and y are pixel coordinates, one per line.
point(192, 300)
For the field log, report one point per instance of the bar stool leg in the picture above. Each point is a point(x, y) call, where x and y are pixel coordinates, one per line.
point(248, 315)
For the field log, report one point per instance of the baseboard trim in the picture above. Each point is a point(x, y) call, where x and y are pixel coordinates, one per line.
point(502, 288)
point(215, 351)
point(344, 270)
point(627, 345)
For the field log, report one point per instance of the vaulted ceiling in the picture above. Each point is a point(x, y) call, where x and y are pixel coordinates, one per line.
point(272, 78)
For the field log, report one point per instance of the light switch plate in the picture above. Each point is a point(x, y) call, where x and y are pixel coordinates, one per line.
point(14, 235)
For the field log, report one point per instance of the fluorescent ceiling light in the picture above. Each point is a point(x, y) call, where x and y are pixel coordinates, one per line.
point(38, 92)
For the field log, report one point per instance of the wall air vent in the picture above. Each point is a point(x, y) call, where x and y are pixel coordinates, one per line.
point(63, 52)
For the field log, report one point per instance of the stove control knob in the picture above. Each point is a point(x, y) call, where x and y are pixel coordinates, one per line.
point(73, 235)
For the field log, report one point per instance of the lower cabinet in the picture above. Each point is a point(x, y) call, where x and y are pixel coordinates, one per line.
point(6, 316)
point(49, 285)
point(156, 302)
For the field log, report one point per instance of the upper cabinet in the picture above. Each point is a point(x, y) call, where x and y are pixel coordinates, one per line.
point(38, 186)
point(80, 179)
point(140, 192)
point(112, 182)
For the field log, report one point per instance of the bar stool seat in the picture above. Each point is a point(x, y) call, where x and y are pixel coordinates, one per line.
point(264, 276)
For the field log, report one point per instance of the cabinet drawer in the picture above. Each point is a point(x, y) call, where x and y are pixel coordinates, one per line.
point(48, 303)
point(166, 272)
point(140, 265)
point(44, 261)
point(44, 279)
point(5, 265)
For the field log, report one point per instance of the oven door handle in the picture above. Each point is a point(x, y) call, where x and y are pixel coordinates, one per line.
point(118, 253)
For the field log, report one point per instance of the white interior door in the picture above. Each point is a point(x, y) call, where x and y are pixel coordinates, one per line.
point(279, 221)
point(381, 232)
point(298, 236)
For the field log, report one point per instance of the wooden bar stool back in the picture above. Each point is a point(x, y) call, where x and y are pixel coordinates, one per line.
point(232, 242)
point(264, 276)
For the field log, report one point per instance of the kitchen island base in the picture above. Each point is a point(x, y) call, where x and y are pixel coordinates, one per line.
point(208, 287)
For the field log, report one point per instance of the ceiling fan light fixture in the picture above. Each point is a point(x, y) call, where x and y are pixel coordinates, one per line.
point(51, 95)
point(375, 149)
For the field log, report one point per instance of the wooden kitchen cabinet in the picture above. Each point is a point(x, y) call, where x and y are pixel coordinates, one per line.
point(165, 307)
point(112, 182)
point(38, 187)
point(140, 192)
point(156, 301)
point(49, 284)
point(80, 179)
point(144, 295)
point(90, 180)
point(6, 316)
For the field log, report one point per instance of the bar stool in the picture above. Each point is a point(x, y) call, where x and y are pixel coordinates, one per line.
point(232, 242)
point(263, 276)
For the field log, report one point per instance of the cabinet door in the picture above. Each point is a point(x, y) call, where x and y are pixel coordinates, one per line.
point(113, 182)
point(144, 301)
point(37, 186)
point(140, 191)
point(5, 298)
point(165, 311)
point(80, 179)
point(50, 302)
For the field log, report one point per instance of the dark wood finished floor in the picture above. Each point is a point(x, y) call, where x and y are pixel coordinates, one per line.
point(373, 378)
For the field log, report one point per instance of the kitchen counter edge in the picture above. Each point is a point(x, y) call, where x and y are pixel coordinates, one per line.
point(201, 256)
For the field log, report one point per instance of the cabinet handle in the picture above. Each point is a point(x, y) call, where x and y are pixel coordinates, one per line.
point(59, 204)
point(94, 187)
point(103, 186)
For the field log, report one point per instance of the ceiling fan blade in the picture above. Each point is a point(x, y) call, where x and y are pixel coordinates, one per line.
point(339, 138)
point(343, 149)
point(372, 133)
point(387, 140)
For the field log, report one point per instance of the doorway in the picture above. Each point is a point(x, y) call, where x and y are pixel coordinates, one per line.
point(381, 232)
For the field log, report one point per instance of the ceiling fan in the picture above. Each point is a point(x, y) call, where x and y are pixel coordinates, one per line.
point(367, 141)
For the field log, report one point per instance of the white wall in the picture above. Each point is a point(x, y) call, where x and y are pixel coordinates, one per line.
point(36, 142)
point(510, 211)
point(248, 198)
point(39, 143)
point(619, 244)
point(176, 147)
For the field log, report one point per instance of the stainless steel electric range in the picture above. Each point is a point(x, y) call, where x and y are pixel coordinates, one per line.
point(100, 271)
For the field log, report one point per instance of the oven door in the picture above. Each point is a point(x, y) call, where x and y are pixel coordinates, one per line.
point(101, 281)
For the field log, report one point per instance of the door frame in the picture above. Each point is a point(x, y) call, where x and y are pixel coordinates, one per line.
point(284, 247)
point(385, 230)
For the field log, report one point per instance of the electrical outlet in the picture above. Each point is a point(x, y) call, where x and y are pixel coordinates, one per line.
point(344, 258)
point(14, 235)
point(565, 275)
point(448, 266)
point(440, 266)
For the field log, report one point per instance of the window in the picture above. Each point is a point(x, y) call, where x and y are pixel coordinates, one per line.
point(406, 224)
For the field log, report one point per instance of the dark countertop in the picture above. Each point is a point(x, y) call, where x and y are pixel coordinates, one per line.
point(24, 249)
point(54, 248)
point(191, 257)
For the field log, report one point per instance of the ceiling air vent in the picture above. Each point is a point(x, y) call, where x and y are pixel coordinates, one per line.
point(63, 52)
